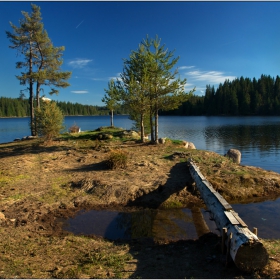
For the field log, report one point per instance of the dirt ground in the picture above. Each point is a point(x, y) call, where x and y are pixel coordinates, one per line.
point(40, 184)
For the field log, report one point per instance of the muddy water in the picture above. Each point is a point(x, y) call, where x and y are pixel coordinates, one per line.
point(171, 224)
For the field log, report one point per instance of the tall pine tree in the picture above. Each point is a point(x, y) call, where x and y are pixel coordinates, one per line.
point(42, 61)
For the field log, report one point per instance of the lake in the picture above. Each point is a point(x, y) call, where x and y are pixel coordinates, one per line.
point(258, 138)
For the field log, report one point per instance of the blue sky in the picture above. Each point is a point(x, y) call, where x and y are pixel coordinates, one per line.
point(214, 40)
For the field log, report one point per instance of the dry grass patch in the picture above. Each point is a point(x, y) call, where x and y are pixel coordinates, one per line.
point(117, 159)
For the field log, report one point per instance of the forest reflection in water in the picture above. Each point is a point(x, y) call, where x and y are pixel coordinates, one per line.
point(157, 224)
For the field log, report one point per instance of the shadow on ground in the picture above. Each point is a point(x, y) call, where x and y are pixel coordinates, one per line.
point(200, 258)
point(179, 178)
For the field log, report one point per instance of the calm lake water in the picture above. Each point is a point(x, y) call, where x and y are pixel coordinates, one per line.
point(258, 139)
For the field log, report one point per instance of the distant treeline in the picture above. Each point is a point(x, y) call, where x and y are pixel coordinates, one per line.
point(241, 96)
point(19, 107)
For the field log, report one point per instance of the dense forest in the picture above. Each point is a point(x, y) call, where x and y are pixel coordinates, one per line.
point(241, 96)
point(19, 107)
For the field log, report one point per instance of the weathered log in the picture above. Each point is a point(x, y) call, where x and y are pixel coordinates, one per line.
point(246, 250)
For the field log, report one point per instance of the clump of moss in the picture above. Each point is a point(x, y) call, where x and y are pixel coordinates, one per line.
point(117, 159)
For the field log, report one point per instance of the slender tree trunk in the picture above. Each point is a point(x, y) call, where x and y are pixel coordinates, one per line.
point(32, 114)
point(156, 126)
point(152, 127)
point(37, 104)
point(142, 128)
point(38, 95)
point(112, 117)
point(31, 97)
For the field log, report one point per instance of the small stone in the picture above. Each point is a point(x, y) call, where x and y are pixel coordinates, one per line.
point(2, 216)
point(234, 154)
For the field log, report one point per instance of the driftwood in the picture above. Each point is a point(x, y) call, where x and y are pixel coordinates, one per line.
point(244, 247)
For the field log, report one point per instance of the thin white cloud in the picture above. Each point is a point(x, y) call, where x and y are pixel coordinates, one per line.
point(99, 79)
point(79, 91)
point(209, 77)
point(185, 67)
point(79, 63)
point(117, 77)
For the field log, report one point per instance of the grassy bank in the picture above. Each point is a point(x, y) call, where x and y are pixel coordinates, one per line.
point(42, 183)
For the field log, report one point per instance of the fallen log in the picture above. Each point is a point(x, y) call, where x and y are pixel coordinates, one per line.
point(245, 249)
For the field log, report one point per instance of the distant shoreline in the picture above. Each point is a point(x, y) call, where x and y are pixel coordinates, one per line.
point(67, 116)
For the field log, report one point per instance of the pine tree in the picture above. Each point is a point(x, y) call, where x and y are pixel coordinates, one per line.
point(41, 61)
point(135, 87)
point(49, 119)
point(167, 91)
point(150, 84)
point(111, 99)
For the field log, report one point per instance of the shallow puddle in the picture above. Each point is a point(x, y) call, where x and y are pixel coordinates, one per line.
point(172, 224)
point(169, 224)
point(265, 216)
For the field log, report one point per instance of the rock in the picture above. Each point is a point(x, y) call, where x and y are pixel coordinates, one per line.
point(17, 139)
point(130, 133)
point(133, 134)
point(189, 145)
point(234, 154)
point(162, 140)
point(2, 218)
point(107, 136)
point(31, 137)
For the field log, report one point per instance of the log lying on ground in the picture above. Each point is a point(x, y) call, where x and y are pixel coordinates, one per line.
point(246, 250)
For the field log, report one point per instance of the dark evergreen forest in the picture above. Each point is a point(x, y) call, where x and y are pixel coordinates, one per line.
point(241, 96)
point(19, 107)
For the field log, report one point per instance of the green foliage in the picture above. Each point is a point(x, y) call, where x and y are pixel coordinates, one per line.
point(117, 159)
point(41, 60)
point(241, 96)
point(19, 107)
point(111, 99)
point(49, 120)
point(149, 84)
point(13, 107)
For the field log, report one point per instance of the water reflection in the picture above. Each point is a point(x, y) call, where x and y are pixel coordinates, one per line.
point(263, 138)
point(258, 138)
point(259, 145)
point(170, 224)
point(263, 215)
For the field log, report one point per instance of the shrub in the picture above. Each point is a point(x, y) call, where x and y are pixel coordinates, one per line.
point(117, 159)
point(49, 120)
point(74, 128)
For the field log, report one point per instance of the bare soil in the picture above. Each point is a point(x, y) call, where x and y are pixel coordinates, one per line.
point(42, 183)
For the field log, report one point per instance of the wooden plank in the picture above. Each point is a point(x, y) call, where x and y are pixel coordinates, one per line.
point(225, 204)
point(242, 223)
point(231, 218)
